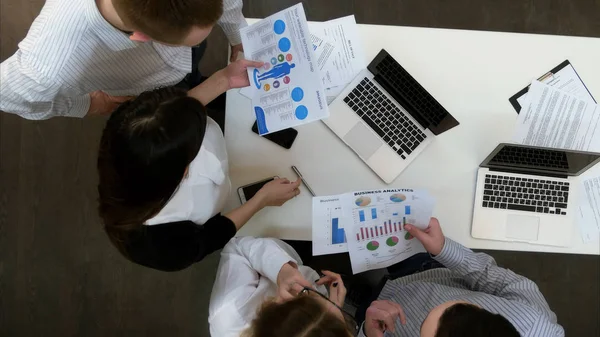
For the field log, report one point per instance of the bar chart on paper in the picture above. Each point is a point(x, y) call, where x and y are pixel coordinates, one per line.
point(329, 231)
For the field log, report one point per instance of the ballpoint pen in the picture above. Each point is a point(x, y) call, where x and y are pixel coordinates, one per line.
point(303, 180)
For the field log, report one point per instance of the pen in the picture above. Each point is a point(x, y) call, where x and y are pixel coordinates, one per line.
point(303, 181)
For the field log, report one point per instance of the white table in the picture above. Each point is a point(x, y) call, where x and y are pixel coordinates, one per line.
point(471, 73)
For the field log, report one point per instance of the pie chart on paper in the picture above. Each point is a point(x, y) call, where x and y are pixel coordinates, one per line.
point(392, 241)
point(397, 197)
point(362, 201)
point(373, 245)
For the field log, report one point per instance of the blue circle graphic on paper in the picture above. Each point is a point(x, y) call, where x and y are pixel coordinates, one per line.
point(301, 112)
point(297, 94)
point(279, 27)
point(273, 61)
point(284, 44)
point(276, 84)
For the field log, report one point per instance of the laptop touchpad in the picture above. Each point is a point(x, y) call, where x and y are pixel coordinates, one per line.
point(362, 140)
point(522, 227)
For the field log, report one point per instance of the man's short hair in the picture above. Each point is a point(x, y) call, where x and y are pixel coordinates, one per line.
point(168, 21)
point(468, 320)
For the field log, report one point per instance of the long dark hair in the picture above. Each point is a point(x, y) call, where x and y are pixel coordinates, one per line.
point(146, 147)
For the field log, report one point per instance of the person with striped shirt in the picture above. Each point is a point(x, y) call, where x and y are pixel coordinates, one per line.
point(263, 290)
point(85, 57)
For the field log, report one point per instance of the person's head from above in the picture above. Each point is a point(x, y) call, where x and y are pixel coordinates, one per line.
point(146, 147)
point(464, 319)
point(172, 22)
point(309, 314)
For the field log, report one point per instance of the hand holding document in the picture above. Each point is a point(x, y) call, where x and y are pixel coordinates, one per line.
point(287, 91)
point(558, 119)
point(370, 225)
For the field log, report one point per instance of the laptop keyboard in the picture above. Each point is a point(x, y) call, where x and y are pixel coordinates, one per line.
point(519, 156)
point(414, 93)
point(524, 194)
point(384, 117)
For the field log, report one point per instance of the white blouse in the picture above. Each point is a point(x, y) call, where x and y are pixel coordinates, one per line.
point(247, 276)
point(203, 192)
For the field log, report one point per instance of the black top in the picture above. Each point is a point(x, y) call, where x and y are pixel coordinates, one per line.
point(177, 245)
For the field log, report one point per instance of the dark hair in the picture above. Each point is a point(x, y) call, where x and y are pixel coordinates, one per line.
point(168, 20)
point(466, 320)
point(302, 316)
point(146, 147)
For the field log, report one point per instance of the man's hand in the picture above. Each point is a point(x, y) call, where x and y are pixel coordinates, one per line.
point(381, 316)
point(103, 104)
point(236, 73)
point(432, 237)
point(290, 281)
point(234, 52)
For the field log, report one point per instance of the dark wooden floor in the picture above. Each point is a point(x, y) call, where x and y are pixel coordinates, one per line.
point(59, 276)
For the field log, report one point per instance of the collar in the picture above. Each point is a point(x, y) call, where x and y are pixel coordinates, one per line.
point(111, 36)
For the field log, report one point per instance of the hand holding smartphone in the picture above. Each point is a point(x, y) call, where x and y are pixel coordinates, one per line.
point(275, 191)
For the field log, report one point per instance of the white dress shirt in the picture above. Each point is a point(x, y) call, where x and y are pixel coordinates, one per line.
point(71, 50)
point(246, 278)
point(203, 192)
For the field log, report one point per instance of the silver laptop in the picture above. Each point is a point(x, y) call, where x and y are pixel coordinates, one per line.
point(387, 117)
point(527, 194)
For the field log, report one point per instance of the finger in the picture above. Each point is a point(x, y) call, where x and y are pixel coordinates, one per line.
point(297, 183)
point(416, 232)
point(284, 294)
point(396, 309)
point(325, 280)
point(332, 274)
point(434, 224)
point(303, 282)
point(254, 64)
point(297, 288)
point(386, 317)
point(283, 181)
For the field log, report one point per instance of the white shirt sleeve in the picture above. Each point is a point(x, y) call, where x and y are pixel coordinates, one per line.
point(233, 20)
point(27, 93)
point(243, 261)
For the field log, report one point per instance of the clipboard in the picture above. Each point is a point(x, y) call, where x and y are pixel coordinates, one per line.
point(514, 99)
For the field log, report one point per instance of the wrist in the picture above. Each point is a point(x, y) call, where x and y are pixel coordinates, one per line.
point(222, 81)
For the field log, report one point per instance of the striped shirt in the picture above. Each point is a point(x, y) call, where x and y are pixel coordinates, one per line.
point(71, 50)
point(475, 278)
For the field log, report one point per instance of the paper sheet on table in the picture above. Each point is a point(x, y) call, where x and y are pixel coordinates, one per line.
point(288, 89)
point(588, 215)
point(377, 238)
point(558, 119)
point(328, 226)
point(347, 58)
point(566, 80)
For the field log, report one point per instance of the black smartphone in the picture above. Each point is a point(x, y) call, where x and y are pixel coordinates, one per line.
point(246, 192)
point(284, 138)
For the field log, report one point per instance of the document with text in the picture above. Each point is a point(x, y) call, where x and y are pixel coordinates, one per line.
point(558, 119)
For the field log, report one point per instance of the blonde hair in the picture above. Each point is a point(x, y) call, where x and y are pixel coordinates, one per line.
point(302, 316)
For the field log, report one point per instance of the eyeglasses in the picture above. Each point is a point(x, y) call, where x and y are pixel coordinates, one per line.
point(348, 318)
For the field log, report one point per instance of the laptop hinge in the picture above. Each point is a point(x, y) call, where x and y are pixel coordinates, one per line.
point(545, 174)
point(412, 110)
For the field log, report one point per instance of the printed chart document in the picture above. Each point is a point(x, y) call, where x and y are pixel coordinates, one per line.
point(555, 118)
point(329, 226)
point(377, 238)
point(588, 215)
point(347, 58)
point(370, 225)
point(288, 89)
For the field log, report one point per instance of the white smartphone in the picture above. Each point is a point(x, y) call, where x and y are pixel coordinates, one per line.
point(248, 191)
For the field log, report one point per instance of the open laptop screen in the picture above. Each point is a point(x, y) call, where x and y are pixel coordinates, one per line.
point(530, 159)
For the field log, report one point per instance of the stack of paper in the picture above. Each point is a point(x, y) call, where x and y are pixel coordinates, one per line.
point(556, 118)
point(370, 225)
